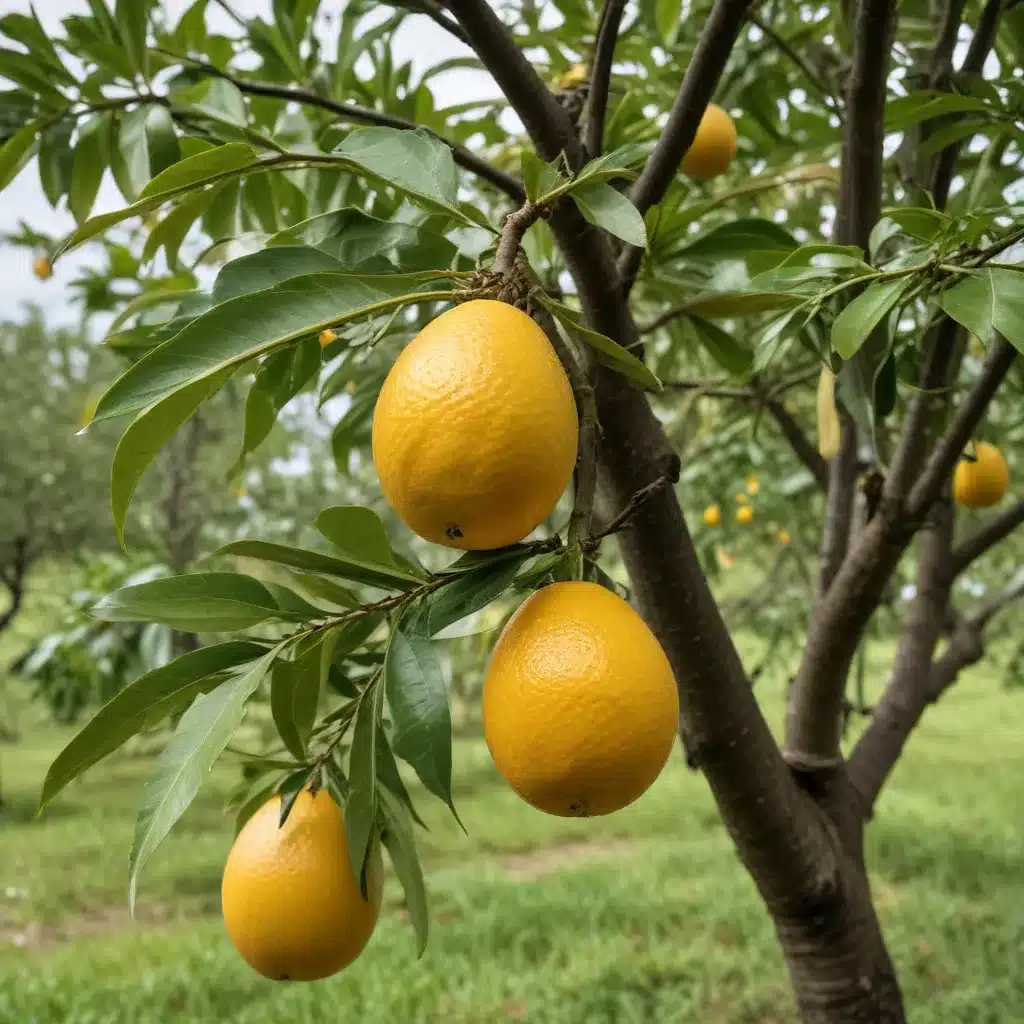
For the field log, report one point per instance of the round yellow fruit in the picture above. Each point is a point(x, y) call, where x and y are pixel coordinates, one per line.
point(42, 268)
point(580, 706)
point(291, 903)
point(981, 482)
point(326, 337)
point(712, 516)
point(576, 75)
point(744, 514)
point(783, 535)
point(713, 146)
point(753, 485)
point(475, 430)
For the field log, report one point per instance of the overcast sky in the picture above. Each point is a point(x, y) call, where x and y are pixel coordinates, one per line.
point(419, 41)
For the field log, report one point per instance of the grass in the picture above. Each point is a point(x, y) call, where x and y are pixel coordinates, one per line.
point(642, 916)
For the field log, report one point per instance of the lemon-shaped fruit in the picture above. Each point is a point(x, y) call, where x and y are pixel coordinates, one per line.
point(744, 514)
point(291, 903)
point(981, 482)
point(42, 268)
point(475, 429)
point(580, 706)
point(712, 516)
point(713, 146)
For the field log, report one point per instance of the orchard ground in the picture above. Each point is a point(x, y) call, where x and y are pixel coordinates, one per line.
point(641, 916)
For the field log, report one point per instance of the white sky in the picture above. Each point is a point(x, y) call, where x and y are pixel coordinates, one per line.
point(419, 41)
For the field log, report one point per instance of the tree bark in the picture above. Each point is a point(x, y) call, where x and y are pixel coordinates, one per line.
point(13, 578)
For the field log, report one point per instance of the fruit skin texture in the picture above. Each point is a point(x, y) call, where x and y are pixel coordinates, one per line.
point(713, 146)
point(712, 516)
point(580, 706)
point(291, 904)
point(983, 482)
point(475, 430)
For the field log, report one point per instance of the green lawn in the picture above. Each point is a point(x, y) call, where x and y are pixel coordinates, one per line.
point(645, 916)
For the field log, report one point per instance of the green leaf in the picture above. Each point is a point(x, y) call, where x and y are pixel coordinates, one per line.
point(143, 703)
point(147, 434)
point(400, 842)
point(356, 568)
point(56, 161)
point(722, 347)
point(161, 139)
point(360, 536)
point(905, 111)
point(213, 344)
point(131, 17)
point(737, 238)
point(200, 168)
point(608, 352)
point(361, 806)
point(668, 14)
point(133, 144)
point(27, 30)
point(731, 304)
point(856, 322)
point(539, 177)
point(611, 210)
point(990, 300)
point(389, 777)
point(257, 271)
point(469, 592)
point(217, 99)
point(295, 696)
point(419, 710)
point(202, 734)
point(618, 163)
point(201, 602)
point(171, 231)
point(16, 151)
point(90, 160)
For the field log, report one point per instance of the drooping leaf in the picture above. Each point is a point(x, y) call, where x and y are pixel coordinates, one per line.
point(361, 807)
point(89, 163)
point(400, 843)
point(201, 602)
point(295, 695)
point(856, 322)
point(422, 720)
point(722, 347)
point(610, 210)
point(16, 151)
point(202, 734)
point(469, 592)
point(56, 160)
point(143, 703)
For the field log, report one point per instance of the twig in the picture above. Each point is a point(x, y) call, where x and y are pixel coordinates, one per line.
point(465, 158)
point(999, 246)
point(721, 30)
point(808, 72)
point(512, 230)
point(232, 13)
point(632, 506)
point(436, 13)
point(982, 540)
point(600, 75)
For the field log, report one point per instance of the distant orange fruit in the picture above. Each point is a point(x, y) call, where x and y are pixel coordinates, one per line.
point(580, 706)
point(291, 904)
point(326, 337)
point(981, 482)
point(783, 535)
point(42, 268)
point(475, 430)
point(712, 516)
point(713, 147)
point(742, 499)
point(744, 514)
point(752, 483)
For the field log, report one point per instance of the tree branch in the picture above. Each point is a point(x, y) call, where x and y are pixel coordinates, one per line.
point(982, 41)
point(944, 456)
point(982, 540)
point(721, 30)
point(436, 13)
point(14, 579)
point(601, 73)
point(465, 158)
point(820, 86)
point(801, 444)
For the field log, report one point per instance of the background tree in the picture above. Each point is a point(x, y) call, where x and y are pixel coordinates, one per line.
point(894, 137)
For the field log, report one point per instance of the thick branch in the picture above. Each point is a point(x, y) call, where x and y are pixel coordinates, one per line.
point(944, 456)
point(601, 74)
point(721, 30)
point(982, 41)
point(436, 13)
point(465, 158)
point(981, 541)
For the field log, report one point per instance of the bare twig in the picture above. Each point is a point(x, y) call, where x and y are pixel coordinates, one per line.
point(801, 444)
point(721, 30)
point(516, 225)
point(809, 73)
point(600, 74)
point(436, 13)
point(629, 510)
point(982, 540)
point(232, 13)
point(465, 158)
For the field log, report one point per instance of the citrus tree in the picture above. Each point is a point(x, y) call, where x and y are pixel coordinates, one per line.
point(834, 241)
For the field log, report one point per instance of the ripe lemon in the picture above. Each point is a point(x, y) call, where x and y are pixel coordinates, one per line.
point(41, 268)
point(712, 516)
point(983, 482)
point(580, 706)
point(713, 146)
point(576, 75)
point(291, 904)
point(475, 430)
point(744, 514)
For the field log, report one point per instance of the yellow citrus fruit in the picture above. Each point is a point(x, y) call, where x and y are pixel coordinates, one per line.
point(475, 430)
point(725, 560)
point(783, 535)
point(829, 428)
point(753, 484)
point(744, 514)
point(580, 706)
point(712, 516)
point(742, 499)
point(326, 337)
point(291, 903)
point(576, 75)
point(41, 268)
point(982, 482)
point(713, 146)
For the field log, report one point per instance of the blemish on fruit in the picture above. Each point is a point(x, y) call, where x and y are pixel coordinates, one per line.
point(453, 531)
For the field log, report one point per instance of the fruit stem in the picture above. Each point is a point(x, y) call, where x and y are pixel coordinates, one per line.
point(512, 230)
